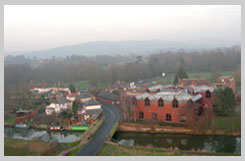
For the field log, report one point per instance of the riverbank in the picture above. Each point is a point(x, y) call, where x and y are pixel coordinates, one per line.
point(114, 149)
point(144, 128)
point(18, 147)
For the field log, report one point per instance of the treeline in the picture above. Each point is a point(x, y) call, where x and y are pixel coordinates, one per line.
point(108, 69)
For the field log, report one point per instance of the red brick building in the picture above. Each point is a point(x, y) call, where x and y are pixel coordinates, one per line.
point(173, 105)
point(108, 97)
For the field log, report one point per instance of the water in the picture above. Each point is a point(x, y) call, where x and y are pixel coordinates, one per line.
point(31, 134)
point(221, 144)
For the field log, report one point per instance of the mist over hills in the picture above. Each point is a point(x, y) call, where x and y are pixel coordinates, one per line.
point(125, 47)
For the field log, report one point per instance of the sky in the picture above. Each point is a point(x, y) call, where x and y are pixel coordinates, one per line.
point(38, 27)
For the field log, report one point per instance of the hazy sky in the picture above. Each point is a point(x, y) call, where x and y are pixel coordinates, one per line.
point(30, 27)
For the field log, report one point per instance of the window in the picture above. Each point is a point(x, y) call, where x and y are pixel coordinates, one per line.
point(175, 103)
point(200, 111)
point(141, 115)
point(168, 117)
point(208, 94)
point(160, 102)
point(183, 118)
point(154, 116)
point(147, 102)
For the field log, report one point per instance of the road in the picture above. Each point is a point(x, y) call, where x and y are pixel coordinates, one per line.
point(97, 141)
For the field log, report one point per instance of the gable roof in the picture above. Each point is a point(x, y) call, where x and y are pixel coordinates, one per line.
point(225, 79)
point(84, 95)
point(201, 89)
point(73, 94)
point(91, 102)
point(61, 100)
point(169, 96)
point(108, 95)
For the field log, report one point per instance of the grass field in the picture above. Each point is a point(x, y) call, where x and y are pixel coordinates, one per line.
point(17, 147)
point(10, 120)
point(228, 123)
point(85, 84)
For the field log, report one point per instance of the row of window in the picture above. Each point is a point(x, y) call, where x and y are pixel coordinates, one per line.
point(154, 116)
point(174, 103)
point(161, 103)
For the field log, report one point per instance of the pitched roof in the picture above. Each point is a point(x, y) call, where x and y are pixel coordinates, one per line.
point(84, 95)
point(91, 102)
point(108, 95)
point(61, 100)
point(73, 94)
point(225, 79)
point(201, 89)
point(195, 81)
point(169, 96)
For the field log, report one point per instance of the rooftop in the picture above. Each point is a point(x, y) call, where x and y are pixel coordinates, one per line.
point(91, 102)
point(61, 100)
point(169, 96)
point(108, 95)
point(203, 88)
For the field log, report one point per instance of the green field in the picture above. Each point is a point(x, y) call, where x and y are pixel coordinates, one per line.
point(10, 120)
point(85, 84)
point(228, 123)
point(17, 147)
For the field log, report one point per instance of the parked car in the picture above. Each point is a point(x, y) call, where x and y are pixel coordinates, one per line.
point(64, 153)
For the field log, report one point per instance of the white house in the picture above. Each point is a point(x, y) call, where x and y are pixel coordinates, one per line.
point(84, 97)
point(91, 105)
point(58, 105)
point(72, 96)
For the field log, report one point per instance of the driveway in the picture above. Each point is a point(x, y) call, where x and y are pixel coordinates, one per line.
point(94, 145)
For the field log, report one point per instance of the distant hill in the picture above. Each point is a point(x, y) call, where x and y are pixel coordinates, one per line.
point(123, 48)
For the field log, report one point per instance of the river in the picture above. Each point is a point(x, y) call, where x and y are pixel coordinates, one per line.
point(47, 136)
point(220, 144)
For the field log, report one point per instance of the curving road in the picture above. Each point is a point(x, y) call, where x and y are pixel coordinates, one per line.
point(97, 141)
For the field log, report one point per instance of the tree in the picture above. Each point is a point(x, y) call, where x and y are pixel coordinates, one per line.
point(225, 102)
point(180, 75)
point(238, 76)
point(126, 106)
point(182, 61)
point(72, 88)
point(75, 107)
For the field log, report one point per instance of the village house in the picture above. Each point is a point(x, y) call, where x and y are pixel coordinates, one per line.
point(72, 96)
point(58, 105)
point(91, 105)
point(84, 97)
point(108, 97)
point(227, 81)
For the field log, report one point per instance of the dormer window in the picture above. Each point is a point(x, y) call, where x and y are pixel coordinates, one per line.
point(175, 103)
point(208, 94)
point(160, 103)
point(147, 102)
